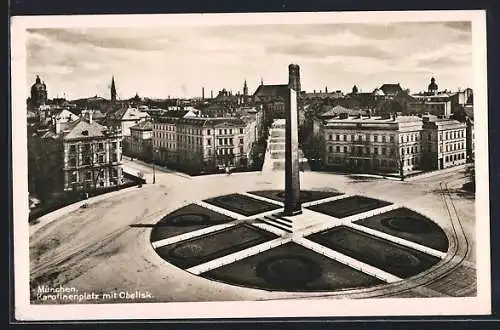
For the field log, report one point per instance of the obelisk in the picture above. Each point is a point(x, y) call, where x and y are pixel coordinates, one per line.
point(292, 178)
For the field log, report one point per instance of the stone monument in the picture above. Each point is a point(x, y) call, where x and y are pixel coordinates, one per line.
point(292, 170)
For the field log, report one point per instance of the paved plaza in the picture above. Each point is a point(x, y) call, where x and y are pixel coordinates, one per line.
point(110, 245)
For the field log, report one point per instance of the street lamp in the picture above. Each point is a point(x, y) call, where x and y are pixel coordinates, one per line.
point(154, 172)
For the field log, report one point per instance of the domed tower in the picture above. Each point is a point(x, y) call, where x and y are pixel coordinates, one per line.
point(38, 92)
point(433, 87)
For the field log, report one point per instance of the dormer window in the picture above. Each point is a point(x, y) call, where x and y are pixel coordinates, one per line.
point(85, 133)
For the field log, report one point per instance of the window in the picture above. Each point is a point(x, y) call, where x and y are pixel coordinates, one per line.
point(407, 150)
point(330, 137)
point(352, 137)
point(241, 130)
point(231, 141)
point(72, 162)
point(230, 131)
point(360, 138)
point(113, 145)
point(391, 138)
point(101, 159)
point(375, 151)
point(225, 141)
point(74, 177)
point(208, 132)
point(383, 151)
point(225, 131)
point(220, 142)
point(209, 141)
point(231, 151)
point(383, 138)
point(375, 138)
point(72, 148)
point(337, 137)
point(392, 151)
point(88, 175)
point(337, 149)
point(345, 137)
point(220, 132)
point(345, 149)
point(330, 149)
point(429, 136)
point(209, 152)
point(241, 140)
point(241, 150)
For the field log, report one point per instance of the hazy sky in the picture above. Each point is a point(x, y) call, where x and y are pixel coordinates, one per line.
point(178, 61)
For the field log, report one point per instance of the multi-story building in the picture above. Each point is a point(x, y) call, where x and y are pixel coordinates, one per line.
point(140, 142)
point(386, 143)
point(92, 156)
point(199, 142)
point(443, 143)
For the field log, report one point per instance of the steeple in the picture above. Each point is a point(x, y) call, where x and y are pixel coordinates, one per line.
point(113, 89)
point(245, 88)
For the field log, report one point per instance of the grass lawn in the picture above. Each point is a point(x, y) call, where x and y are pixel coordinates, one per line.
point(211, 246)
point(390, 257)
point(407, 224)
point(188, 218)
point(346, 207)
point(305, 195)
point(242, 204)
point(291, 267)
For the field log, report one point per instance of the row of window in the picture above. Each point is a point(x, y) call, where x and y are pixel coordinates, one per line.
point(87, 175)
point(455, 157)
point(452, 134)
point(454, 146)
point(360, 137)
point(88, 160)
point(362, 150)
point(88, 147)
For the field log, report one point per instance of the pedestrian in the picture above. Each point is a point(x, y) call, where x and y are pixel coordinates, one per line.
point(227, 170)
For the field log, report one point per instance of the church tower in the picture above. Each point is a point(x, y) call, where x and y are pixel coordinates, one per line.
point(113, 89)
point(245, 88)
point(38, 92)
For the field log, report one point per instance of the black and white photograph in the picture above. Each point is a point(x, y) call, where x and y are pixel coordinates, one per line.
point(193, 166)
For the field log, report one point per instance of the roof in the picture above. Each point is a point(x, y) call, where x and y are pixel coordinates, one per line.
point(391, 89)
point(127, 114)
point(338, 109)
point(146, 125)
point(175, 113)
point(375, 119)
point(271, 90)
point(82, 129)
point(216, 122)
point(65, 113)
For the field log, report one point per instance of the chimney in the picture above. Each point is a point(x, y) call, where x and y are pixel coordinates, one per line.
point(211, 94)
point(90, 116)
point(203, 93)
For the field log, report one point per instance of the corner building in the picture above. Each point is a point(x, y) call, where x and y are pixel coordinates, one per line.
point(444, 143)
point(92, 156)
point(387, 143)
point(199, 143)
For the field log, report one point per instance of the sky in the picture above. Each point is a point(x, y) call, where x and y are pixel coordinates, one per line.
point(177, 61)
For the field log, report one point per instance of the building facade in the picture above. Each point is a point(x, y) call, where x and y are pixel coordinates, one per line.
point(199, 143)
point(140, 141)
point(373, 144)
point(92, 156)
point(444, 143)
